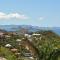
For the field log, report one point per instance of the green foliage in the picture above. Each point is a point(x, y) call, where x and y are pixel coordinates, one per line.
point(48, 43)
point(4, 52)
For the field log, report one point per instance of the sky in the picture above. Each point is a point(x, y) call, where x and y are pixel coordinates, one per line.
point(43, 13)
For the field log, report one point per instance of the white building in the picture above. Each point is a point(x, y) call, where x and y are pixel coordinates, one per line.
point(1, 33)
point(1, 58)
point(27, 35)
point(7, 36)
point(18, 40)
point(7, 45)
point(35, 34)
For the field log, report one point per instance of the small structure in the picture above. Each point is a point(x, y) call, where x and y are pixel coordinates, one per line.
point(7, 36)
point(14, 50)
point(1, 58)
point(14, 33)
point(30, 39)
point(18, 40)
point(27, 47)
point(23, 38)
point(27, 35)
point(35, 34)
point(17, 53)
point(31, 57)
point(8, 45)
point(1, 34)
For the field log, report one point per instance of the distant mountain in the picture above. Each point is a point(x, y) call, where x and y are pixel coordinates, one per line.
point(1, 30)
point(18, 27)
point(30, 28)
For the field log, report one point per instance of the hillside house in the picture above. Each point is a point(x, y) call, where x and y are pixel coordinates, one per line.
point(27, 35)
point(8, 45)
point(1, 33)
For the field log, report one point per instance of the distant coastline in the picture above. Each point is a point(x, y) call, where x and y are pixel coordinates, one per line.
point(29, 27)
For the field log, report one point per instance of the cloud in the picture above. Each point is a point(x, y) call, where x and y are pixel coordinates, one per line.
point(41, 18)
point(12, 16)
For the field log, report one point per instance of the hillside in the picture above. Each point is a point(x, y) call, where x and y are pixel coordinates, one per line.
point(40, 46)
point(49, 42)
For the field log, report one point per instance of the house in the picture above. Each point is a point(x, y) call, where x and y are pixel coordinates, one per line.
point(1, 33)
point(1, 58)
point(18, 40)
point(7, 36)
point(31, 57)
point(35, 34)
point(17, 53)
point(27, 35)
point(14, 50)
point(8, 45)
